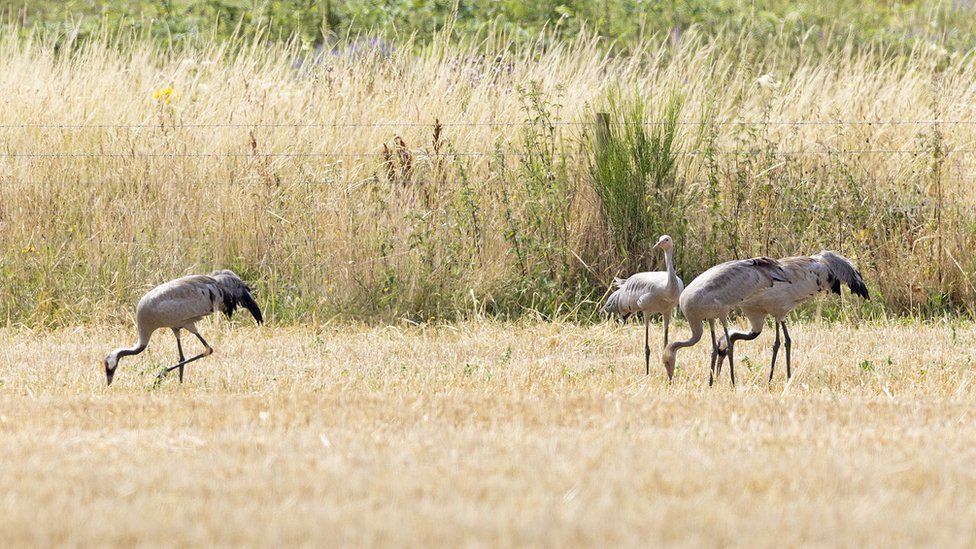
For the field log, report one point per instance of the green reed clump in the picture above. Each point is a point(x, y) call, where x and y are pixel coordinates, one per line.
point(633, 170)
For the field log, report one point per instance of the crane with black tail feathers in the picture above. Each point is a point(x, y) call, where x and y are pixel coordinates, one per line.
point(808, 276)
point(179, 304)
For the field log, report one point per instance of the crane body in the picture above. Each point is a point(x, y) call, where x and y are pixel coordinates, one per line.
point(808, 276)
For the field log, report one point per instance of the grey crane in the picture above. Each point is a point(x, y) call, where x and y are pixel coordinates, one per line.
point(179, 304)
point(650, 293)
point(808, 275)
point(713, 294)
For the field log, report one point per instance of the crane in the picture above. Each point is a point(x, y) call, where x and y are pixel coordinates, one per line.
point(808, 275)
point(179, 304)
point(713, 294)
point(650, 293)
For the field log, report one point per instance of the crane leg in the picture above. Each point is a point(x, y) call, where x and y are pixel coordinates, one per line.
point(647, 345)
point(182, 363)
point(667, 323)
point(725, 327)
point(772, 366)
point(711, 369)
point(717, 361)
point(721, 359)
point(788, 342)
point(209, 350)
point(179, 349)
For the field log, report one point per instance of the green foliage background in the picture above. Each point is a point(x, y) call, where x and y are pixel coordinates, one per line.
point(894, 26)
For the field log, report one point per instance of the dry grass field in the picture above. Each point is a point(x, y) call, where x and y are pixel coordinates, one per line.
point(481, 433)
point(413, 216)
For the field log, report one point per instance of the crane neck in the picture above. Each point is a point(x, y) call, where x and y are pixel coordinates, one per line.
point(697, 330)
point(134, 350)
point(671, 351)
point(669, 263)
point(139, 347)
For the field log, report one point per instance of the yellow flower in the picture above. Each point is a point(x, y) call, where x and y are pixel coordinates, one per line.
point(165, 95)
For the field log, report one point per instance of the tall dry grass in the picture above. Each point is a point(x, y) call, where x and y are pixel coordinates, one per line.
point(325, 181)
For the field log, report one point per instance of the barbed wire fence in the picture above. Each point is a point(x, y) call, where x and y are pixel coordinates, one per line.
point(500, 123)
point(602, 120)
point(918, 206)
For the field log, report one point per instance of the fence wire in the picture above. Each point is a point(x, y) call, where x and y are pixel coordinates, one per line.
point(464, 153)
point(489, 123)
point(460, 154)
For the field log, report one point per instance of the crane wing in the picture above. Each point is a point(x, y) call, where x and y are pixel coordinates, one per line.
point(631, 295)
point(732, 282)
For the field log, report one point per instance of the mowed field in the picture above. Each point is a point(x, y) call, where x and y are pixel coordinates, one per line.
point(483, 433)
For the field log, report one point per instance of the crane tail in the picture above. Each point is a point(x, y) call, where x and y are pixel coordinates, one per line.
point(248, 302)
point(236, 293)
point(842, 270)
point(613, 303)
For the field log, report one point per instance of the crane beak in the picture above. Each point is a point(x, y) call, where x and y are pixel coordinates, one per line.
point(109, 374)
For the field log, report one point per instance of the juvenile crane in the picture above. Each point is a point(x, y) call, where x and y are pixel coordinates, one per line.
point(808, 275)
point(650, 293)
point(179, 304)
point(713, 294)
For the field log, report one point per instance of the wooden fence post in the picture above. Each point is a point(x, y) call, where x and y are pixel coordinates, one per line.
point(602, 131)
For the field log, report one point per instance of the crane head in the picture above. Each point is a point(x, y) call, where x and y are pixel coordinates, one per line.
point(111, 362)
point(664, 243)
point(668, 359)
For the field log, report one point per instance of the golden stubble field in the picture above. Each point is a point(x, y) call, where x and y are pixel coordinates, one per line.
point(488, 434)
